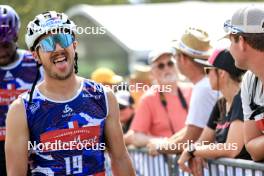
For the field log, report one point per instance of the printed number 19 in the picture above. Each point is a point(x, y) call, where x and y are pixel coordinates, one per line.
point(76, 167)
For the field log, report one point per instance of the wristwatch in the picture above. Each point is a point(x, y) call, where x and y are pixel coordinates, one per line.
point(191, 149)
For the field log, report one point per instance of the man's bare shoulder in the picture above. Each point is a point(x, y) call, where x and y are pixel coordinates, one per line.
point(17, 105)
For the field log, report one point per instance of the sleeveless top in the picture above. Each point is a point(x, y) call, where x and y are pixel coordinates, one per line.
point(15, 79)
point(67, 137)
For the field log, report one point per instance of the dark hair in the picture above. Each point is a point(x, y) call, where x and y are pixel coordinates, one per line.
point(236, 78)
point(255, 40)
point(76, 63)
point(221, 103)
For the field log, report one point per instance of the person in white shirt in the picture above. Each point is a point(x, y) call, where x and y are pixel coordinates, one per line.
point(245, 31)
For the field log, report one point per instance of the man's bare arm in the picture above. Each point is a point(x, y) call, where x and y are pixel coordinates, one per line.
point(138, 139)
point(121, 163)
point(16, 143)
point(254, 140)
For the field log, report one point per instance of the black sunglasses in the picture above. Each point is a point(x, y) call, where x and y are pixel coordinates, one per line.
point(208, 69)
point(170, 64)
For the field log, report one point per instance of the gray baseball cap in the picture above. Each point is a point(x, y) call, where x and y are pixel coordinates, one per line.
point(246, 20)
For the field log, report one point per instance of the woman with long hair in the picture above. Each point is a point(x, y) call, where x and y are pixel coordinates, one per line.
point(223, 136)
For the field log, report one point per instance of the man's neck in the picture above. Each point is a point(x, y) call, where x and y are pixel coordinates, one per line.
point(259, 71)
point(60, 89)
point(257, 66)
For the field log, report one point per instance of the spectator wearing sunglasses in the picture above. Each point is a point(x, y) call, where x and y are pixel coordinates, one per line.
point(16, 69)
point(160, 114)
point(78, 117)
point(245, 31)
point(126, 107)
point(194, 44)
point(223, 135)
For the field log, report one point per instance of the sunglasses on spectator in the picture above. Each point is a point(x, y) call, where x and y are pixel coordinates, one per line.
point(208, 69)
point(170, 64)
point(48, 44)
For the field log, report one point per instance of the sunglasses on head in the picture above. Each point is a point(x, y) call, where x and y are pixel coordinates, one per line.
point(48, 44)
point(208, 69)
point(161, 66)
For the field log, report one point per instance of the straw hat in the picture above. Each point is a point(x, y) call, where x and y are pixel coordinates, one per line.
point(194, 43)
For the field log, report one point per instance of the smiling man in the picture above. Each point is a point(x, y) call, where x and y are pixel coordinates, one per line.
point(63, 112)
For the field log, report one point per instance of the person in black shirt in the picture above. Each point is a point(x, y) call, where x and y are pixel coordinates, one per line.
point(223, 136)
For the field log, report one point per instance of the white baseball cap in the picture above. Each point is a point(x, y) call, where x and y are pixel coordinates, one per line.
point(155, 54)
point(123, 97)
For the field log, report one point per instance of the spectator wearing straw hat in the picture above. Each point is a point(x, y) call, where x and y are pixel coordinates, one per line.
point(246, 32)
point(223, 135)
point(160, 113)
point(192, 50)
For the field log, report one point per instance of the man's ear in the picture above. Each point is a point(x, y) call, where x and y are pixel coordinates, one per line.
point(242, 43)
point(222, 73)
point(186, 60)
point(36, 56)
point(75, 43)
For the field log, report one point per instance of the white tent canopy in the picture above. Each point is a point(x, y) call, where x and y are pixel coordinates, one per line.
point(146, 26)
